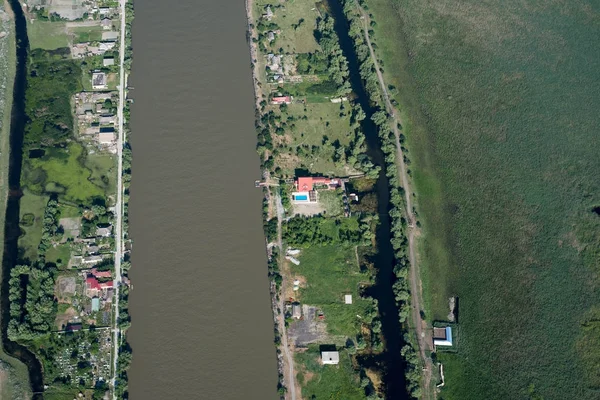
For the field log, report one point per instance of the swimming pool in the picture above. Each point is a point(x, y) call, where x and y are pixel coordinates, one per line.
point(301, 197)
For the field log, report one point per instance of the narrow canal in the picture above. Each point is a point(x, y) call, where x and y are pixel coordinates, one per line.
point(390, 362)
point(11, 228)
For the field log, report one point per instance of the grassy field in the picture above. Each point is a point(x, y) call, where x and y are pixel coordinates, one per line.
point(32, 204)
point(301, 39)
point(339, 379)
point(65, 174)
point(500, 103)
point(47, 35)
point(323, 120)
point(86, 34)
point(330, 273)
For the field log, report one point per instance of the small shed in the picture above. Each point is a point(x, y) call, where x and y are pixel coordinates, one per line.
point(442, 336)
point(330, 357)
point(348, 299)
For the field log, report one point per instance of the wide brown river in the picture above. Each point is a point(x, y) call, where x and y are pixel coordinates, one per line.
point(202, 325)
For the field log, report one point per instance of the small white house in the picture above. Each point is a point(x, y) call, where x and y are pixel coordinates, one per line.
point(442, 336)
point(330, 357)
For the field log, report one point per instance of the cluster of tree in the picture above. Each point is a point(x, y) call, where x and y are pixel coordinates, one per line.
point(123, 363)
point(128, 47)
point(49, 226)
point(397, 221)
point(31, 296)
point(50, 85)
point(337, 65)
point(312, 63)
point(318, 231)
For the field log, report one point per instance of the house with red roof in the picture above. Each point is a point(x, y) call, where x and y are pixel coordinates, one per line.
point(101, 274)
point(307, 183)
point(92, 285)
point(281, 100)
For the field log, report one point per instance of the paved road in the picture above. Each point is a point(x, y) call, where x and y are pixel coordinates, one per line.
point(119, 204)
point(423, 333)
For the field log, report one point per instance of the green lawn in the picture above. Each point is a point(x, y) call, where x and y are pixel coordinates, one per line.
point(66, 175)
point(331, 272)
point(300, 40)
point(331, 382)
point(323, 120)
point(86, 34)
point(500, 110)
point(104, 171)
point(32, 204)
point(47, 35)
point(60, 253)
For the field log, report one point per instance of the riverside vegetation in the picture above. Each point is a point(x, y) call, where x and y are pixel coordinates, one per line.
point(499, 102)
point(302, 135)
point(60, 307)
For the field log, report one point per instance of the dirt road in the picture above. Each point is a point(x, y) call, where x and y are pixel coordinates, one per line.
point(423, 333)
point(289, 360)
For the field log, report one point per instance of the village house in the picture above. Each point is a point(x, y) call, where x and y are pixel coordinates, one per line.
point(270, 36)
point(106, 23)
point(95, 304)
point(268, 13)
point(104, 232)
point(99, 80)
point(107, 119)
point(94, 288)
point(108, 61)
point(100, 274)
point(305, 188)
point(296, 311)
point(91, 259)
point(106, 137)
point(281, 100)
point(330, 357)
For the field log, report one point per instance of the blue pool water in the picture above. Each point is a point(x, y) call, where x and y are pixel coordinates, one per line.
point(302, 197)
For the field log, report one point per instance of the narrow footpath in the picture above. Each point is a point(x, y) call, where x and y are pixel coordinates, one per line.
point(423, 333)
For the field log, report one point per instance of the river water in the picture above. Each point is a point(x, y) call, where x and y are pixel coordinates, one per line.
point(202, 324)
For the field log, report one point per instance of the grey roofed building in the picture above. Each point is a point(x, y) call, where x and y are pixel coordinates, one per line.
point(106, 22)
point(106, 137)
point(110, 36)
point(104, 232)
point(91, 259)
point(270, 36)
point(296, 311)
point(330, 357)
point(106, 119)
point(107, 62)
point(98, 80)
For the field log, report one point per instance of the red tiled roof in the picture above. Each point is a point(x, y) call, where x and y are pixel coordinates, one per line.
point(306, 183)
point(101, 274)
point(92, 283)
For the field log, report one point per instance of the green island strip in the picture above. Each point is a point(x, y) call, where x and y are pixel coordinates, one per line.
point(64, 290)
point(320, 207)
point(500, 118)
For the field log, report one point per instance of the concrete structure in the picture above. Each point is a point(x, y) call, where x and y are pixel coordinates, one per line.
point(91, 260)
point(107, 62)
point(330, 357)
point(95, 304)
point(106, 119)
point(442, 336)
point(348, 299)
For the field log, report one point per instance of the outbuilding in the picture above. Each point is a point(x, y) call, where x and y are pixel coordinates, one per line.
point(330, 357)
point(442, 336)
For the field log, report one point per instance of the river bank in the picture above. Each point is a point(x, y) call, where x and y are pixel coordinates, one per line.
point(14, 380)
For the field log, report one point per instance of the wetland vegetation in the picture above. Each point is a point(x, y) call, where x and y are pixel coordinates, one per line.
point(498, 102)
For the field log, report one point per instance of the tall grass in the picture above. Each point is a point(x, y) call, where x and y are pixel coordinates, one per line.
point(501, 100)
